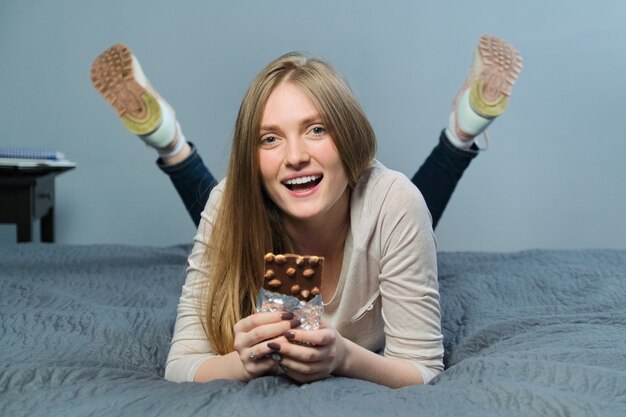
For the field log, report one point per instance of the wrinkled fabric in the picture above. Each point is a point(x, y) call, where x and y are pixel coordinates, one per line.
point(85, 330)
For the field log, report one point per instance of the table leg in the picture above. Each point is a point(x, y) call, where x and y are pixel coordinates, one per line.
point(24, 216)
point(47, 226)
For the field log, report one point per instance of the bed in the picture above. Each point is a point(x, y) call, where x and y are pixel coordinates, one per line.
point(85, 330)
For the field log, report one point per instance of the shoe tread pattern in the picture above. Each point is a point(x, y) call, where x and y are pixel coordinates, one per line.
point(500, 68)
point(112, 76)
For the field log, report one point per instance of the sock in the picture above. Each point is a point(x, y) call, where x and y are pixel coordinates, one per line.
point(450, 133)
point(179, 143)
point(468, 121)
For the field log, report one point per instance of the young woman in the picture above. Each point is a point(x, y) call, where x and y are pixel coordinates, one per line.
point(302, 178)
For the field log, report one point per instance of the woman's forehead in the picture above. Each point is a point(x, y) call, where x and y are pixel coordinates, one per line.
point(288, 103)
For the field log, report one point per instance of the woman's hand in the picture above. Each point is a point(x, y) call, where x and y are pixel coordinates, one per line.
point(251, 336)
point(310, 355)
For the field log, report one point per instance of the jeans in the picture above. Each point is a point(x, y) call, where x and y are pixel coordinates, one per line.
point(193, 182)
point(439, 174)
point(436, 179)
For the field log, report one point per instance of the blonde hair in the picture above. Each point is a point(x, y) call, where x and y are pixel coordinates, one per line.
point(248, 223)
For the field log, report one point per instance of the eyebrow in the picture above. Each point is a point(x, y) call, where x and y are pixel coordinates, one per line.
point(305, 122)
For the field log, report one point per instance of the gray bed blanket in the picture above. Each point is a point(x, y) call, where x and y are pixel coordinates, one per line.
point(85, 330)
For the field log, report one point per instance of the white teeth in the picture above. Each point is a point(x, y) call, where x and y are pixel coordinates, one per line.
point(301, 180)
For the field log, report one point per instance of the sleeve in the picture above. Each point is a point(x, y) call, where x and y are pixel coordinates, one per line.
point(190, 345)
point(408, 280)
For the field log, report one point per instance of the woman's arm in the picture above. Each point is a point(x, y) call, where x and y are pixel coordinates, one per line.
point(364, 364)
point(221, 367)
point(408, 280)
point(190, 347)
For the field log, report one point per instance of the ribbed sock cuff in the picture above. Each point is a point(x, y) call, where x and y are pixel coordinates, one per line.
point(180, 143)
point(453, 139)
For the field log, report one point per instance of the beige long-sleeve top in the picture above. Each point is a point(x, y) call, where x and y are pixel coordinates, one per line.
point(387, 295)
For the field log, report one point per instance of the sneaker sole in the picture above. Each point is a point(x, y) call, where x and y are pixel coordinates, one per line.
point(501, 64)
point(112, 76)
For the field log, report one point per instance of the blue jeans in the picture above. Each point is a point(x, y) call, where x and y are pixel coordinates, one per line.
point(436, 179)
point(193, 182)
point(439, 174)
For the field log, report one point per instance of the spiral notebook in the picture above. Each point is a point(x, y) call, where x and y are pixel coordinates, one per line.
point(30, 153)
point(33, 158)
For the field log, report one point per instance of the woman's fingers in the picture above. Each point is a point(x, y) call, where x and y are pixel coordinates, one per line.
point(305, 359)
point(259, 319)
point(257, 353)
point(308, 355)
point(320, 337)
point(258, 327)
point(304, 371)
point(259, 365)
point(251, 340)
point(258, 359)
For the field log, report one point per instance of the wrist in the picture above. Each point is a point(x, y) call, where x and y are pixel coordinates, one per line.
point(242, 374)
point(344, 360)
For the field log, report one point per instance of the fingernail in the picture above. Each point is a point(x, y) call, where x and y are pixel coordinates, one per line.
point(273, 346)
point(294, 323)
point(289, 335)
point(287, 316)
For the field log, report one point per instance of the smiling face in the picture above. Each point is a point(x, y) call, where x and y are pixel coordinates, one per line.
point(301, 170)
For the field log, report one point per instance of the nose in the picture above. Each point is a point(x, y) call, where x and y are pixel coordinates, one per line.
point(297, 154)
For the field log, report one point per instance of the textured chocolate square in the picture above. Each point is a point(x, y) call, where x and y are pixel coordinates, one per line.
point(294, 275)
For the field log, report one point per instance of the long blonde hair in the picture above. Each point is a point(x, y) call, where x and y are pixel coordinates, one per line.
point(248, 224)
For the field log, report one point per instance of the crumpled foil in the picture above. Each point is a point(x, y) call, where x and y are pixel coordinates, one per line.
point(309, 313)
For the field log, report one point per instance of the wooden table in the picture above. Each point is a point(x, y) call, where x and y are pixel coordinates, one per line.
point(28, 195)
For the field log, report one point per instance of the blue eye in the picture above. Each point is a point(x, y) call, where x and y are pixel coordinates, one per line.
point(268, 140)
point(318, 130)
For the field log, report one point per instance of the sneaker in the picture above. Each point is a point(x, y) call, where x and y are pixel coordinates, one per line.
point(495, 68)
point(117, 76)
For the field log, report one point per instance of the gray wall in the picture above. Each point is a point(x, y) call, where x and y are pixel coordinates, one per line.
point(554, 176)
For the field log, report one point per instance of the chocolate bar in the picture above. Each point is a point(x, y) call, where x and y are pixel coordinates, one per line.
point(294, 275)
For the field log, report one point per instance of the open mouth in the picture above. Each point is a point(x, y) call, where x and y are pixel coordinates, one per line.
point(301, 184)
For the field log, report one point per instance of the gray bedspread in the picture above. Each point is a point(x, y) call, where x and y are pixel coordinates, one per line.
point(85, 330)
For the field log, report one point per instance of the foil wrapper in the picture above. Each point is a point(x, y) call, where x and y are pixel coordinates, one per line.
point(309, 313)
